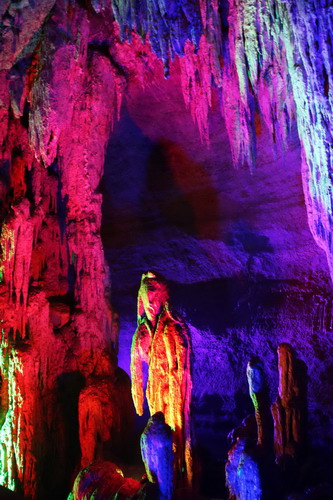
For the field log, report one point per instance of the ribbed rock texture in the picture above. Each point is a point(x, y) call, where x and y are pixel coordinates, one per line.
point(243, 75)
point(289, 411)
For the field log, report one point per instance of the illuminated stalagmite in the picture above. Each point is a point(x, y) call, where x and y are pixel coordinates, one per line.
point(289, 410)
point(250, 470)
point(157, 454)
point(260, 398)
point(162, 344)
point(66, 67)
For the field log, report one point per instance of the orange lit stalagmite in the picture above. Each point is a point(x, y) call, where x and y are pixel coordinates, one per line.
point(290, 407)
point(105, 412)
point(162, 343)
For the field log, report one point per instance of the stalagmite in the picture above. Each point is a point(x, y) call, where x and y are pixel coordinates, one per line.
point(289, 410)
point(67, 70)
point(243, 476)
point(260, 398)
point(161, 341)
point(158, 456)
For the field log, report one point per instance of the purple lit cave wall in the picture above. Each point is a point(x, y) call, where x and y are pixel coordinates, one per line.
point(191, 141)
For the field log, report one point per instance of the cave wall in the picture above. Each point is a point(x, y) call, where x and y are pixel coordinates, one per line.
point(165, 98)
point(235, 246)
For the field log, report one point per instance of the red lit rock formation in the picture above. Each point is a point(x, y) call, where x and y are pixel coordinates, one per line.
point(67, 69)
point(103, 480)
point(56, 318)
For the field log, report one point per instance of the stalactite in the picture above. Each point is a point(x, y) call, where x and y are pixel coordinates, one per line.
point(168, 24)
point(200, 67)
point(62, 81)
point(53, 275)
point(270, 72)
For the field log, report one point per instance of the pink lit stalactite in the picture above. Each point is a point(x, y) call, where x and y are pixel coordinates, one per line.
point(237, 101)
point(82, 102)
point(198, 67)
point(161, 341)
point(74, 96)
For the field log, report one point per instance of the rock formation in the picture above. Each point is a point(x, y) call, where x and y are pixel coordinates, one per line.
point(289, 410)
point(103, 480)
point(260, 398)
point(243, 475)
point(67, 70)
point(250, 471)
point(158, 456)
point(162, 343)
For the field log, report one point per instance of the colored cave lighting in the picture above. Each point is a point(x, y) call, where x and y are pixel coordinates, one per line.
point(66, 69)
point(11, 450)
point(157, 455)
point(161, 341)
point(7, 245)
point(272, 67)
point(277, 61)
point(167, 24)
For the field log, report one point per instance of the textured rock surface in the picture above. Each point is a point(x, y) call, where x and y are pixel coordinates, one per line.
point(55, 312)
point(245, 78)
point(236, 249)
point(158, 456)
point(101, 480)
point(243, 474)
point(161, 362)
point(289, 411)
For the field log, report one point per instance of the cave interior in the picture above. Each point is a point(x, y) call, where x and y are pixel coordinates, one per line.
point(186, 144)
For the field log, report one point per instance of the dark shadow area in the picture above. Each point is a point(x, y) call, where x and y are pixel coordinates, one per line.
point(180, 192)
point(66, 430)
point(156, 185)
point(228, 303)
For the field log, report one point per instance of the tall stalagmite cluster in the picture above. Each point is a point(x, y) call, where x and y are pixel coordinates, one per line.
point(64, 68)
